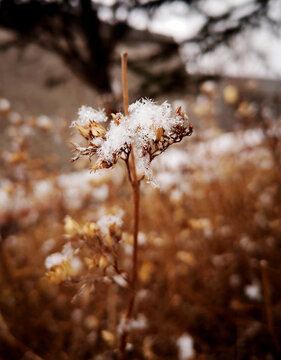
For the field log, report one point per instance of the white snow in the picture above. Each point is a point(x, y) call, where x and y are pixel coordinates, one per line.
point(138, 129)
point(54, 259)
point(139, 323)
point(4, 105)
point(185, 345)
point(253, 291)
point(43, 189)
point(86, 114)
point(101, 192)
point(65, 255)
point(119, 279)
point(107, 220)
point(206, 158)
point(44, 122)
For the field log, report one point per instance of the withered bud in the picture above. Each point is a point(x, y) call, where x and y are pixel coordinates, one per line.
point(17, 158)
point(101, 164)
point(91, 130)
point(115, 232)
point(61, 272)
point(159, 133)
point(103, 262)
point(90, 229)
point(71, 227)
point(115, 119)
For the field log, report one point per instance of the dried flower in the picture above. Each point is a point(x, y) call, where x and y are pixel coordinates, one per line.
point(92, 246)
point(150, 129)
point(71, 227)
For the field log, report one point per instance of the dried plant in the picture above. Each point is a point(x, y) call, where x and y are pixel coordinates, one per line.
point(149, 128)
point(143, 132)
point(208, 248)
point(90, 255)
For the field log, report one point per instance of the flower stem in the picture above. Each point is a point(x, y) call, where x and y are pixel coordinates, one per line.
point(124, 56)
point(268, 304)
point(135, 187)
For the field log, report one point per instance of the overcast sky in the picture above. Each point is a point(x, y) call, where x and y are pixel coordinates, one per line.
point(253, 53)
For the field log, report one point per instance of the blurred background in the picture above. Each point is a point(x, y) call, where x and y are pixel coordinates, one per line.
point(210, 243)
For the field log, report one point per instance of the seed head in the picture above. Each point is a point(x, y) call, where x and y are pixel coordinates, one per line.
point(149, 128)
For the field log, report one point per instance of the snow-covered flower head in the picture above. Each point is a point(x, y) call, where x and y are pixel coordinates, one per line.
point(88, 122)
point(86, 114)
point(149, 129)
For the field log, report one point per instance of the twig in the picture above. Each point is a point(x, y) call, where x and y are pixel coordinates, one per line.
point(124, 56)
point(129, 171)
point(131, 168)
point(8, 340)
point(268, 304)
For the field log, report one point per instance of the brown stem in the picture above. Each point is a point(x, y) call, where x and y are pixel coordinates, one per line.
point(129, 171)
point(268, 305)
point(124, 56)
point(131, 168)
point(14, 346)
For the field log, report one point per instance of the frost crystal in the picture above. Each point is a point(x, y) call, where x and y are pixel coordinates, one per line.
point(149, 129)
point(86, 114)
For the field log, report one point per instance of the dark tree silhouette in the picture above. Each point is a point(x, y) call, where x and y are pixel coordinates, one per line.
point(74, 33)
point(86, 44)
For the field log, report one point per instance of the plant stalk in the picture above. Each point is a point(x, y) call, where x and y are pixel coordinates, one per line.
point(268, 304)
point(135, 183)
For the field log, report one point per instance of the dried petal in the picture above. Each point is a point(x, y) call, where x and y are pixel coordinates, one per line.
point(61, 272)
point(71, 227)
point(96, 129)
point(90, 229)
point(91, 130)
point(159, 133)
point(16, 158)
point(103, 262)
point(114, 117)
point(108, 337)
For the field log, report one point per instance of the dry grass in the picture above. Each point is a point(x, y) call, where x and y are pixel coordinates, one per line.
point(203, 237)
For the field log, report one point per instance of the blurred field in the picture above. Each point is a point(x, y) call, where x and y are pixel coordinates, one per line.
point(209, 268)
